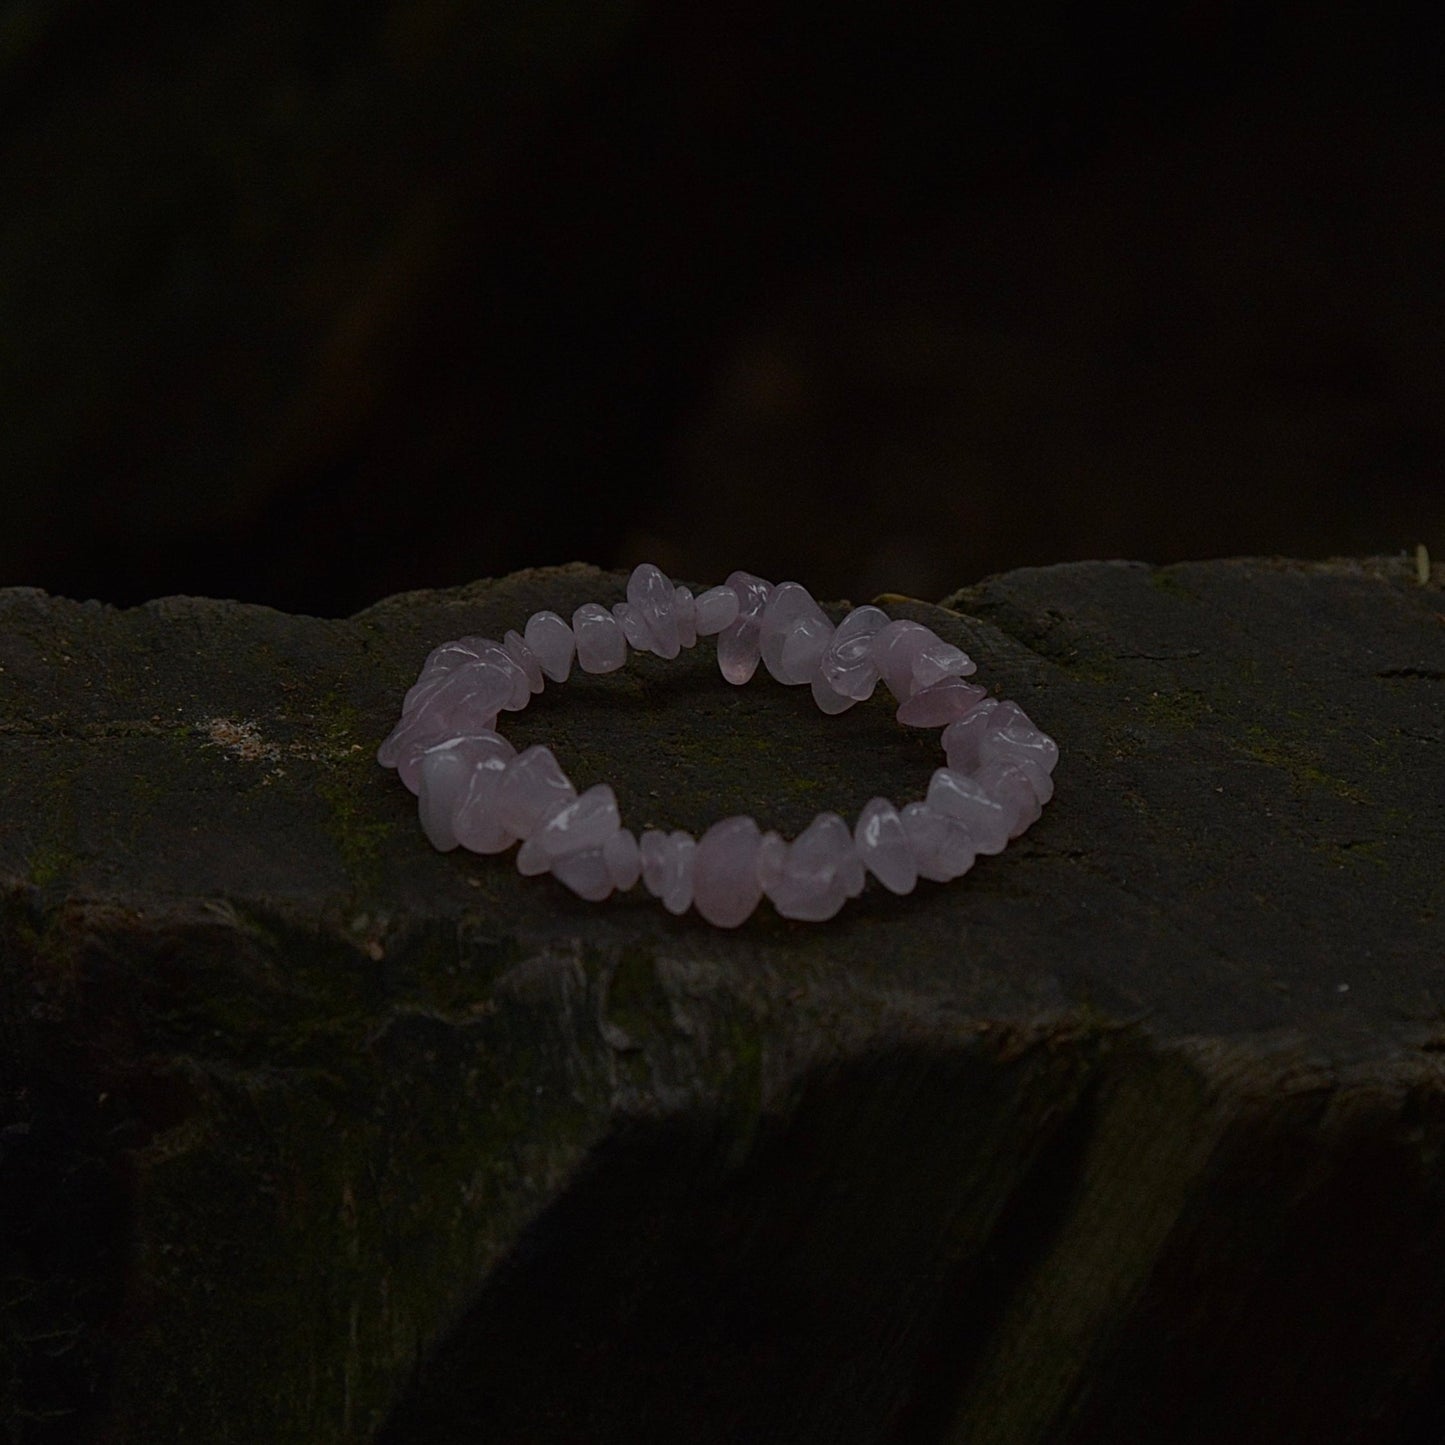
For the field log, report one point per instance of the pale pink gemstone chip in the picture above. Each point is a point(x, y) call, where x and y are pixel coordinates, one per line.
point(725, 885)
point(552, 644)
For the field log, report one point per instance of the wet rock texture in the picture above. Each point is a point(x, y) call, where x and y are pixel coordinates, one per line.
point(312, 1133)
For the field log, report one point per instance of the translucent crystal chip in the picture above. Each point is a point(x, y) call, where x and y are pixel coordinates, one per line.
point(819, 872)
point(634, 629)
point(724, 872)
point(1012, 735)
point(685, 609)
point(715, 609)
point(792, 633)
point(944, 702)
point(585, 872)
point(653, 595)
point(963, 798)
point(963, 738)
point(883, 846)
point(738, 642)
point(624, 862)
point(516, 648)
point(552, 644)
point(532, 781)
point(601, 646)
point(942, 846)
point(847, 662)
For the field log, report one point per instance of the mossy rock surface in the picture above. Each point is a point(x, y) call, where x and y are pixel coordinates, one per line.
point(311, 1133)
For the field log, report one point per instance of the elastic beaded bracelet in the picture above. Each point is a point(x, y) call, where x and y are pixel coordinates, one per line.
point(474, 790)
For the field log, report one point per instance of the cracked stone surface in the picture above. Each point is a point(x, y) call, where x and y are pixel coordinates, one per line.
point(1100, 1143)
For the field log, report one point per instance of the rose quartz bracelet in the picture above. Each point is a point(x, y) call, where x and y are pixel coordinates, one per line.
point(476, 791)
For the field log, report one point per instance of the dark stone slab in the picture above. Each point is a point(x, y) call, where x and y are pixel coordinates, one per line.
point(311, 1133)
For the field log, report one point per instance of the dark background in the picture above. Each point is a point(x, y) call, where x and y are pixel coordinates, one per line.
point(306, 303)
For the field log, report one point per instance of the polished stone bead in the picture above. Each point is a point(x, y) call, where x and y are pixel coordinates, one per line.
point(516, 648)
point(450, 656)
point(1041, 784)
point(478, 828)
point(962, 739)
point(716, 608)
point(982, 814)
point(434, 676)
point(883, 847)
point(802, 649)
point(408, 764)
point(819, 872)
point(447, 656)
point(532, 858)
point(944, 702)
point(634, 629)
point(586, 821)
point(1040, 781)
point(807, 901)
point(847, 663)
point(737, 643)
point(942, 846)
point(828, 701)
point(752, 593)
point(431, 679)
point(412, 735)
point(678, 897)
point(1015, 790)
point(667, 867)
point(651, 592)
point(552, 643)
point(601, 646)
point(1012, 735)
point(793, 633)
point(851, 872)
point(462, 791)
point(425, 685)
point(482, 742)
point(531, 786)
point(624, 862)
point(489, 650)
point(786, 603)
point(457, 789)
point(892, 652)
point(772, 856)
point(469, 714)
point(442, 777)
point(724, 872)
point(585, 872)
point(685, 610)
point(938, 659)
point(912, 657)
point(466, 700)
point(652, 852)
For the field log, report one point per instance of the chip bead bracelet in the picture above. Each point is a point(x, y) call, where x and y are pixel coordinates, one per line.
point(474, 790)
